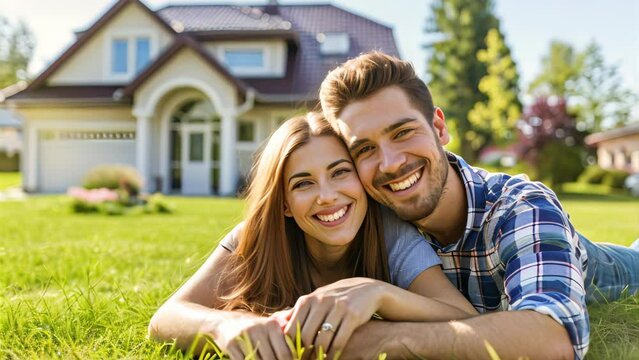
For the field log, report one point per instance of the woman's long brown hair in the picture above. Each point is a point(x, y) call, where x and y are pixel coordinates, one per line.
point(271, 262)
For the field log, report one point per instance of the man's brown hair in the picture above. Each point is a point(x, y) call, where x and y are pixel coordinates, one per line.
point(368, 73)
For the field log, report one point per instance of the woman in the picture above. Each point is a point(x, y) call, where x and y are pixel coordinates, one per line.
point(312, 240)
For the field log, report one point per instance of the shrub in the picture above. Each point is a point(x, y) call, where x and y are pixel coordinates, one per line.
point(615, 178)
point(114, 177)
point(559, 163)
point(593, 174)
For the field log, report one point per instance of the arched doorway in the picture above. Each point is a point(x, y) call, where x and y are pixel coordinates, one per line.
point(195, 148)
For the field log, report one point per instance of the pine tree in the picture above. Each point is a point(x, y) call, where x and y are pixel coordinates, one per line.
point(494, 120)
point(461, 27)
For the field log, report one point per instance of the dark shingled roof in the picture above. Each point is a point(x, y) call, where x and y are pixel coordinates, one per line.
point(307, 68)
point(299, 25)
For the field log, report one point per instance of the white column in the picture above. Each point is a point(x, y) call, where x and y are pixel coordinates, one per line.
point(142, 150)
point(30, 161)
point(228, 161)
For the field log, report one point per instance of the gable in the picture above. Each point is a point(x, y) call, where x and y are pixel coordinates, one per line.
point(91, 64)
point(188, 69)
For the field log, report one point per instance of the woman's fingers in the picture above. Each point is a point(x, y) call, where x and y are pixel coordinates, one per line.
point(327, 331)
point(340, 339)
point(300, 311)
point(278, 344)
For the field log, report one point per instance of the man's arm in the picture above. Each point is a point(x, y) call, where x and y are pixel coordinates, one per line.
point(540, 338)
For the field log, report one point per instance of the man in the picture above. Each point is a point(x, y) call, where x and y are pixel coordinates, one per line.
point(504, 241)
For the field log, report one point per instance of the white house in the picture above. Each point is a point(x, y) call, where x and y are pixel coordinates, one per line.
point(184, 93)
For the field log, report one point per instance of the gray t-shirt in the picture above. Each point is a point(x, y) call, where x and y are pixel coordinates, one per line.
point(408, 252)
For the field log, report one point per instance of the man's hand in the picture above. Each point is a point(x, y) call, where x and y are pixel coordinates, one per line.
point(330, 314)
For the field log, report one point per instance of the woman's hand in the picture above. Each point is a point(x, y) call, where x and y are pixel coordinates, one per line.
point(267, 339)
point(329, 315)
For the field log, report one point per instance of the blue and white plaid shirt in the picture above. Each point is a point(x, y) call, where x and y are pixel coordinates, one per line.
point(519, 251)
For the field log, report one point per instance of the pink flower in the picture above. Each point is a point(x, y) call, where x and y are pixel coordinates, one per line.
point(94, 196)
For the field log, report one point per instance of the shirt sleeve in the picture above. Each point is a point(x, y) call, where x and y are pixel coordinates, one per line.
point(542, 257)
point(409, 254)
point(229, 242)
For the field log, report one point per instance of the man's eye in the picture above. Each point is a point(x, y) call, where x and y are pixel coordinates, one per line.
point(402, 133)
point(363, 150)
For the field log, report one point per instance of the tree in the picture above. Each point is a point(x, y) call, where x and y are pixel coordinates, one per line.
point(494, 120)
point(594, 90)
point(461, 27)
point(548, 134)
point(599, 97)
point(560, 69)
point(16, 49)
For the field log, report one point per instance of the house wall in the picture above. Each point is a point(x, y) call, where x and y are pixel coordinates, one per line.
point(620, 153)
point(92, 63)
point(274, 56)
point(41, 122)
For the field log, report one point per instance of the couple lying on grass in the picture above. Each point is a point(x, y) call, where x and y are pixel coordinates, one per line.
point(453, 259)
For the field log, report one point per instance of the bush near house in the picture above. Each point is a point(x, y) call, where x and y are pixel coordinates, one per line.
point(612, 178)
point(115, 190)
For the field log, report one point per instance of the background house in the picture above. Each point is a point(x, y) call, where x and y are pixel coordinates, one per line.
point(185, 93)
point(10, 141)
point(617, 148)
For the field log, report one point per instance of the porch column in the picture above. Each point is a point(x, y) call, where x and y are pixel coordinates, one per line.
point(30, 161)
point(228, 156)
point(142, 142)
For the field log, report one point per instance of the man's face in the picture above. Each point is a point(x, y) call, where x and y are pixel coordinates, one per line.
point(398, 155)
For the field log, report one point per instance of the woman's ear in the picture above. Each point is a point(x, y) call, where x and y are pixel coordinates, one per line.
point(287, 212)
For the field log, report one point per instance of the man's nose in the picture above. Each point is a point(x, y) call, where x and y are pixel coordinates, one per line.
point(391, 160)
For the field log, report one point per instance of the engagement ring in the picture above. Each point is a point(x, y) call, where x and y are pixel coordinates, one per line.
point(327, 327)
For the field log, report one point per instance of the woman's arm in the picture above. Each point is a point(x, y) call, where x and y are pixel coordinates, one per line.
point(349, 303)
point(193, 313)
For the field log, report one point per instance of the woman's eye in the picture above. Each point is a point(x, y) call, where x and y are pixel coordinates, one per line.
point(301, 184)
point(339, 172)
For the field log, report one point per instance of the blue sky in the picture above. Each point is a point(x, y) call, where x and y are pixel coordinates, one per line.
point(529, 26)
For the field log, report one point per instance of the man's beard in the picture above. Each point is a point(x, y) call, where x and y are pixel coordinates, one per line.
point(420, 205)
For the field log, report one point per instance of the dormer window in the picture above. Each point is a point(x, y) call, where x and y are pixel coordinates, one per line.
point(334, 43)
point(244, 58)
point(130, 54)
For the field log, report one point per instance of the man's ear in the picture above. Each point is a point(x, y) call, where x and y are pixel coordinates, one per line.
point(439, 126)
point(287, 211)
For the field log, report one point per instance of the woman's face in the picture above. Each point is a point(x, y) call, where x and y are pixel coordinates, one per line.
point(323, 193)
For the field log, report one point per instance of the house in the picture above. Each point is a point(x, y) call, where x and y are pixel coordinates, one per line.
point(10, 141)
point(617, 148)
point(184, 93)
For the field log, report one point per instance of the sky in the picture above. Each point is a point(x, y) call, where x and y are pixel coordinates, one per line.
point(529, 26)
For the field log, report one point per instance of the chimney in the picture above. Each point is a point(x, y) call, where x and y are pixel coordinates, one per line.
point(272, 7)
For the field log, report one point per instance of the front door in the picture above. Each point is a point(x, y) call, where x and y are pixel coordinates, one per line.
point(196, 159)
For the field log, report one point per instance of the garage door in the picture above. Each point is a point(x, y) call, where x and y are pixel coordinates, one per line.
point(66, 156)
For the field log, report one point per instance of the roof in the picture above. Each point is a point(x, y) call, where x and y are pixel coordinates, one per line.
point(299, 25)
point(631, 129)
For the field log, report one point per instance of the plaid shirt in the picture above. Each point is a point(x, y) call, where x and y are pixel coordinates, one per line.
point(519, 251)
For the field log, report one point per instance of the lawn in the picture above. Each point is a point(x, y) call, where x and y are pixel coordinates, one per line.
point(85, 286)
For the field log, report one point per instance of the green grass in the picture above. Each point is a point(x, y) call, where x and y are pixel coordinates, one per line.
point(10, 179)
point(85, 286)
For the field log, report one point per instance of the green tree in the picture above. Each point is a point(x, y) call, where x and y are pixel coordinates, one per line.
point(460, 28)
point(560, 69)
point(494, 120)
point(16, 49)
point(594, 89)
point(600, 99)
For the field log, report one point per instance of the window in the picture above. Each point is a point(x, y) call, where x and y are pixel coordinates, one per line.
point(142, 53)
point(196, 147)
point(119, 56)
point(246, 131)
point(244, 58)
point(334, 43)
